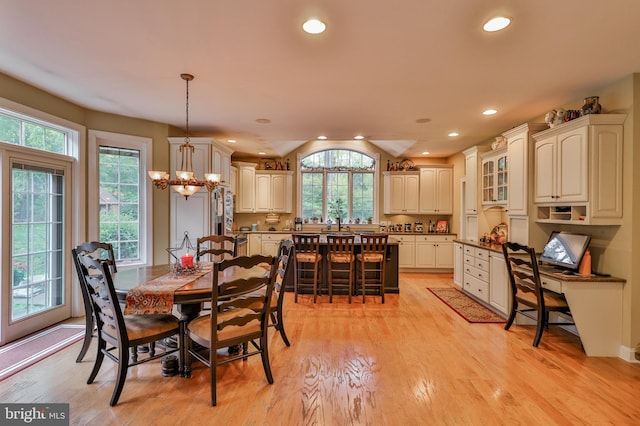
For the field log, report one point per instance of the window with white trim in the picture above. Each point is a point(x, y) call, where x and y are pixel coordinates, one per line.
point(338, 183)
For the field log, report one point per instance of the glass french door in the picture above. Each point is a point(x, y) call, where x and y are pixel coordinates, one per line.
point(38, 294)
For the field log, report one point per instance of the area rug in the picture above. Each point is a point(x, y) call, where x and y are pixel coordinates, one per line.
point(465, 306)
point(20, 354)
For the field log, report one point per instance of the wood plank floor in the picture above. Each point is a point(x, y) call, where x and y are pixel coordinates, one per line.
point(410, 361)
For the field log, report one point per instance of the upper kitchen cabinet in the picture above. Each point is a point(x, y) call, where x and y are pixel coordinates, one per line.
point(401, 192)
point(578, 171)
point(495, 176)
point(436, 190)
point(273, 191)
point(520, 145)
point(246, 183)
point(221, 163)
point(471, 156)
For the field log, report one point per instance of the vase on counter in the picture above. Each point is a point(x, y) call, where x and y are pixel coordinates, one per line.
point(591, 106)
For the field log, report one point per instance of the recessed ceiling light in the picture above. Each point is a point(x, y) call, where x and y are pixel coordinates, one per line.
point(426, 153)
point(454, 134)
point(263, 120)
point(232, 140)
point(322, 137)
point(358, 137)
point(489, 112)
point(262, 153)
point(496, 24)
point(314, 26)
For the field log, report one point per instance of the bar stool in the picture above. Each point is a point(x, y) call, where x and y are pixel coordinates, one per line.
point(307, 263)
point(340, 252)
point(373, 252)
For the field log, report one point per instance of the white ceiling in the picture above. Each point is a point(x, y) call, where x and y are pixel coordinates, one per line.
point(379, 67)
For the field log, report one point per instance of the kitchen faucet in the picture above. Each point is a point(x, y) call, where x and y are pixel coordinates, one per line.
point(339, 224)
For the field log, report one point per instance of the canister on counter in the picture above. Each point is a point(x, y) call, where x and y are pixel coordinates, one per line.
point(407, 227)
point(399, 227)
point(418, 227)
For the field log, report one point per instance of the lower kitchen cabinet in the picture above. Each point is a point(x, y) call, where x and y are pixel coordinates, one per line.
point(498, 283)
point(434, 251)
point(483, 273)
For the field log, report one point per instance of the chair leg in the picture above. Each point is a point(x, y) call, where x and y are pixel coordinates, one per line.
point(330, 280)
point(350, 280)
point(280, 327)
point(539, 328)
point(264, 353)
point(512, 316)
point(102, 345)
point(213, 367)
point(296, 278)
point(88, 335)
point(315, 281)
point(382, 281)
point(123, 366)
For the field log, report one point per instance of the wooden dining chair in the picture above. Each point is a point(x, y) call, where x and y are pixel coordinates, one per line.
point(220, 242)
point(285, 249)
point(102, 251)
point(117, 330)
point(216, 255)
point(241, 317)
point(527, 290)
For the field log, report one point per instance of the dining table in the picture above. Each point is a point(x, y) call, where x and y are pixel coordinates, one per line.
point(158, 289)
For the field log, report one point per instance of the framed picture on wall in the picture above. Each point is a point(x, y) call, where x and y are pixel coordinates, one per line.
point(442, 226)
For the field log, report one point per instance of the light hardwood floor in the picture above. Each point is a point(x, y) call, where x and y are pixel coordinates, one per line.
point(412, 360)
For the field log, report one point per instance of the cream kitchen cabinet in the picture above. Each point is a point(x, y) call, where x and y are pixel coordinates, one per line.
point(221, 163)
point(476, 272)
point(520, 155)
point(494, 178)
point(436, 190)
point(246, 187)
point(254, 242)
point(406, 250)
point(471, 179)
point(270, 242)
point(273, 191)
point(434, 251)
point(401, 192)
point(458, 264)
point(578, 171)
point(499, 283)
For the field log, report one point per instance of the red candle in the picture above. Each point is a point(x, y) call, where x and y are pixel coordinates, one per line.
point(186, 260)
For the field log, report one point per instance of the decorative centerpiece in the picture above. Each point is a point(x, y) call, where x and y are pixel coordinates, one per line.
point(591, 106)
point(184, 265)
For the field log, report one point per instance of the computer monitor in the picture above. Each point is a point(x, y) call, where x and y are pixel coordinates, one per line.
point(565, 249)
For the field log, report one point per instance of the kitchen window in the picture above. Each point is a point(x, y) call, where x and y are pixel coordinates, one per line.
point(338, 182)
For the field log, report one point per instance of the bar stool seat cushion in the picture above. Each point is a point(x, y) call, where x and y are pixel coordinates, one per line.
point(308, 257)
point(370, 257)
point(340, 257)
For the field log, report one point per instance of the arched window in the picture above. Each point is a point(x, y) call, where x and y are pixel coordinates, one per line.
point(338, 183)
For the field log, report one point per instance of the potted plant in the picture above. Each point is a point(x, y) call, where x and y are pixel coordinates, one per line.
point(19, 272)
point(337, 209)
point(314, 219)
point(370, 220)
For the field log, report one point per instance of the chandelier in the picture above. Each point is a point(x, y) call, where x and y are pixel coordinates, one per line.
point(185, 182)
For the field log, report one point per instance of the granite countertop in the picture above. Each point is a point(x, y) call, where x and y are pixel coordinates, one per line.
point(480, 244)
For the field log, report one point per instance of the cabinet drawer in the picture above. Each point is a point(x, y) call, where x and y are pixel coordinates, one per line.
point(481, 254)
point(476, 273)
point(275, 237)
point(469, 260)
point(551, 284)
point(469, 251)
point(476, 287)
point(482, 264)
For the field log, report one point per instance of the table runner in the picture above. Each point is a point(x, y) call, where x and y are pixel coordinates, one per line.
point(156, 296)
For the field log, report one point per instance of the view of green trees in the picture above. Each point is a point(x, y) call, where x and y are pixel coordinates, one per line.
point(33, 135)
point(337, 176)
point(120, 201)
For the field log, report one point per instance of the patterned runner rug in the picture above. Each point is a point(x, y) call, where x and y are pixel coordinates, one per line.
point(465, 306)
point(22, 353)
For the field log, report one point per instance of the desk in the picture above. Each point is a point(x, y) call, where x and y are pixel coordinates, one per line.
point(596, 307)
point(188, 299)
